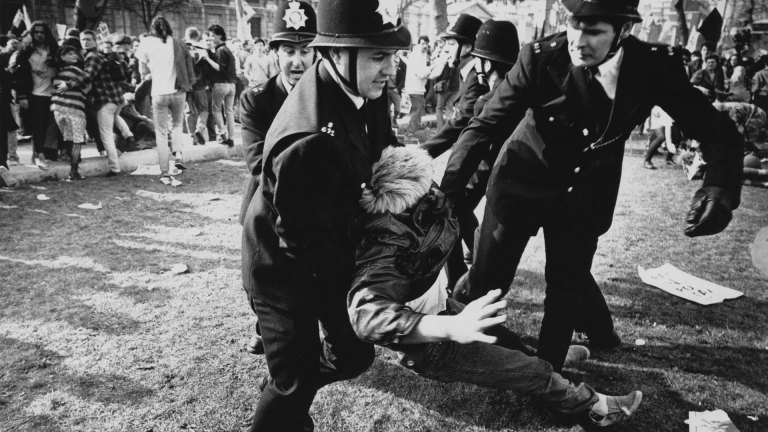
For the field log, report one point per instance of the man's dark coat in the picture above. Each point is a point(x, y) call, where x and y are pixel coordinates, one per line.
point(471, 89)
point(258, 108)
point(556, 164)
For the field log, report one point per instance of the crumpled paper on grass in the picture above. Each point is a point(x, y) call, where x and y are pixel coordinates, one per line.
point(89, 206)
point(677, 282)
point(710, 421)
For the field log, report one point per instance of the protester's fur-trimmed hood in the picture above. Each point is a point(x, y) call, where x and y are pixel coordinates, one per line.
point(400, 178)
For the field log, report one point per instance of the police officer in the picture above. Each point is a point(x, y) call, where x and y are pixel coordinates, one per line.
point(572, 100)
point(453, 65)
point(302, 225)
point(496, 50)
point(295, 27)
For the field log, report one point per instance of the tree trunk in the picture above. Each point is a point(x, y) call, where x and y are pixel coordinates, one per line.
point(682, 23)
point(441, 15)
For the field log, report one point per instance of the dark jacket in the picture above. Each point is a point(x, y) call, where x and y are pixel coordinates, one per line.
point(228, 66)
point(404, 245)
point(182, 62)
point(716, 85)
point(557, 164)
point(258, 107)
point(7, 122)
point(471, 89)
point(303, 223)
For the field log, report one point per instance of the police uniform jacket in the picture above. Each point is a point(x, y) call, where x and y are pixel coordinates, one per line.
point(303, 223)
point(258, 108)
point(558, 163)
point(471, 89)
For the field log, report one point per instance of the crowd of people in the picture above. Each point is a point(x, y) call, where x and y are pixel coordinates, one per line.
point(123, 92)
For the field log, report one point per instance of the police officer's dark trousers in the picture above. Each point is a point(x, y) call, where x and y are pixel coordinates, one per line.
point(299, 362)
point(572, 295)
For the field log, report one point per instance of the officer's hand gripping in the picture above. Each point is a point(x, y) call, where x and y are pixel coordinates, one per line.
point(710, 212)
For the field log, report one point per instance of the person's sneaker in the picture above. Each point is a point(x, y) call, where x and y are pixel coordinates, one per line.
point(130, 144)
point(103, 153)
point(576, 354)
point(199, 139)
point(165, 179)
point(74, 175)
point(112, 174)
point(228, 142)
point(255, 345)
point(180, 165)
point(175, 183)
point(648, 165)
point(610, 410)
point(6, 179)
point(41, 163)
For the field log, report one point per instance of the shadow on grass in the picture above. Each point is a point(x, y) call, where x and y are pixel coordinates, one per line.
point(30, 372)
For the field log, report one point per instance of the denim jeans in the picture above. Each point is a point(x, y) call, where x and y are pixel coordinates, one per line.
point(223, 95)
point(198, 107)
point(506, 365)
point(105, 117)
point(168, 113)
point(417, 110)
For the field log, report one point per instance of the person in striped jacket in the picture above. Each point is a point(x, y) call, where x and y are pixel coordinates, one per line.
point(71, 85)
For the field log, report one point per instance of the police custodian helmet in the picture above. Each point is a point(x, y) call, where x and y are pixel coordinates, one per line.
point(497, 41)
point(360, 24)
point(295, 22)
point(464, 29)
point(604, 8)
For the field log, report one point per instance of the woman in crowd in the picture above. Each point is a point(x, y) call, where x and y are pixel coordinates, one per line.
point(68, 103)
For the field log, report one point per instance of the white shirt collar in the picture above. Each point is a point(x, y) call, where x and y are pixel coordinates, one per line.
point(286, 84)
point(467, 68)
point(357, 100)
point(608, 73)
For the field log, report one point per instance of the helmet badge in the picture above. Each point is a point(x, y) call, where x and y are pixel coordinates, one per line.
point(388, 10)
point(294, 16)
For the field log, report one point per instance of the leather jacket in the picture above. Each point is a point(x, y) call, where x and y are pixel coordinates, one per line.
point(406, 240)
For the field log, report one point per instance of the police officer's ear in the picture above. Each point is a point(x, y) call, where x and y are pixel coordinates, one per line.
point(626, 29)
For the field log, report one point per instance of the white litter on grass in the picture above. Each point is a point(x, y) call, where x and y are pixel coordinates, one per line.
point(8, 207)
point(153, 170)
point(175, 183)
point(179, 268)
point(38, 187)
point(43, 197)
point(639, 342)
point(74, 215)
point(89, 206)
point(231, 162)
point(37, 211)
point(753, 418)
point(679, 283)
point(710, 421)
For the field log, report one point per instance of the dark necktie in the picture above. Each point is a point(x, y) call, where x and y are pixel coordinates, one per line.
point(600, 103)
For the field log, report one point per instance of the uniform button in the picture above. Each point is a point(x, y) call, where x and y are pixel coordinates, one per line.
point(410, 363)
point(576, 170)
point(585, 131)
point(362, 185)
point(570, 189)
point(551, 119)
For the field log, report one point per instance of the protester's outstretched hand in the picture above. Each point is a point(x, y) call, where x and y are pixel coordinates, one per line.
point(468, 326)
point(710, 212)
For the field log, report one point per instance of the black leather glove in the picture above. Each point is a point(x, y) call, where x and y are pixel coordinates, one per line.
point(710, 212)
point(439, 202)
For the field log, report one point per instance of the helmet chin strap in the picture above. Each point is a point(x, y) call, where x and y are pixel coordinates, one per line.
point(615, 45)
point(350, 83)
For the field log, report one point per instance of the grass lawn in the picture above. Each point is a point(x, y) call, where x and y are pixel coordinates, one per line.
point(97, 334)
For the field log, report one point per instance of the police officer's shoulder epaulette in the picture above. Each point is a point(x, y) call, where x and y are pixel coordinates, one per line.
point(258, 89)
point(549, 43)
point(661, 49)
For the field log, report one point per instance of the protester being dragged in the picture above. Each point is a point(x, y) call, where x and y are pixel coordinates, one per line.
point(406, 239)
point(222, 84)
point(68, 103)
point(34, 66)
point(168, 61)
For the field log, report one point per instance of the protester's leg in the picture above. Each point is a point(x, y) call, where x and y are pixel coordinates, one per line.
point(496, 258)
point(499, 367)
point(3, 147)
point(176, 105)
point(106, 119)
point(654, 142)
point(121, 125)
point(217, 103)
point(39, 110)
point(92, 126)
point(161, 117)
point(569, 252)
point(13, 144)
point(229, 110)
point(417, 110)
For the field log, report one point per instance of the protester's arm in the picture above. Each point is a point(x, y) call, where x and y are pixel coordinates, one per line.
point(495, 123)
point(219, 62)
